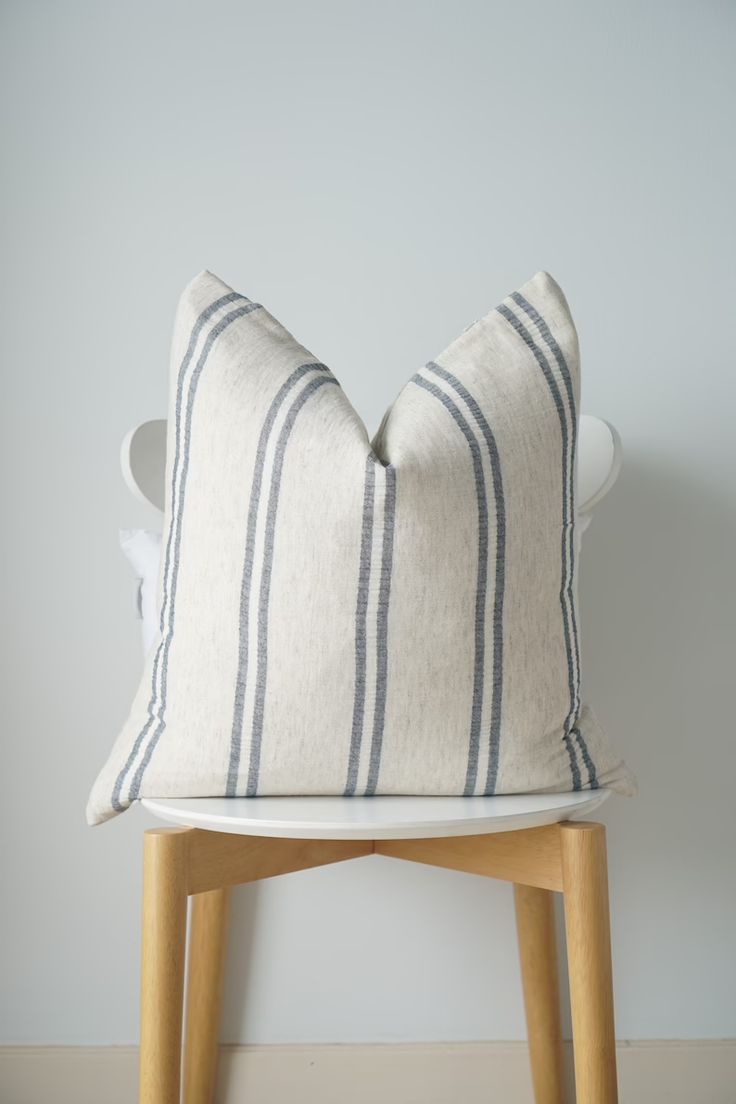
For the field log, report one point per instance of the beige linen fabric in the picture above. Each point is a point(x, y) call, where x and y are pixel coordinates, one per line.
point(347, 617)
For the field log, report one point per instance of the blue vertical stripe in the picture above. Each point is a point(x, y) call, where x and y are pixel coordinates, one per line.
point(247, 575)
point(361, 621)
point(543, 363)
point(500, 568)
point(265, 590)
point(384, 594)
point(566, 375)
point(476, 709)
point(178, 479)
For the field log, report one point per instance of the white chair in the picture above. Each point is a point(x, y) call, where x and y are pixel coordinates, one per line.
point(529, 840)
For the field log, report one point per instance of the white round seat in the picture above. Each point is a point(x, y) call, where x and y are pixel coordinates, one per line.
point(383, 817)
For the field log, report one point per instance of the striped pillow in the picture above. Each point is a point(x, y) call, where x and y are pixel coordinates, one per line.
point(340, 616)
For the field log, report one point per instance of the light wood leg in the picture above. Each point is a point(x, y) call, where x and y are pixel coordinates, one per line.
point(207, 943)
point(585, 886)
point(535, 924)
point(162, 963)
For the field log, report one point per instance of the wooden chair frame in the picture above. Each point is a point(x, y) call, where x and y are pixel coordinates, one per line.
point(567, 858)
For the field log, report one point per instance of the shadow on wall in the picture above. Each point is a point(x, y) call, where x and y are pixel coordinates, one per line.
point(658, 609)
point(240, 954)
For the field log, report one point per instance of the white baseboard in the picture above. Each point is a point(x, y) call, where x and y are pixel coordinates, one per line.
point(653, 1072)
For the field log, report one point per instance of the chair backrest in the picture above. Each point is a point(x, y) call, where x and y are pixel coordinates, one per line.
point(143, 461)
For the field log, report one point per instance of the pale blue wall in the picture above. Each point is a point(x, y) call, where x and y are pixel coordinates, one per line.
point(379, 175)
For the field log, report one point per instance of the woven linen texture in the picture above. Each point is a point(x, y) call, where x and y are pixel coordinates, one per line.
point(341, 616)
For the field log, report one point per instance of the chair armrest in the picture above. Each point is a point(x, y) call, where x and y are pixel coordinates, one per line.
point(143, 462)
point(600, 456)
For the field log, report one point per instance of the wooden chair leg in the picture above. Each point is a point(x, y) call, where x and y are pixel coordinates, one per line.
point(585, 887)
point(535, 923)
point(207, 943)
point(162, 963)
